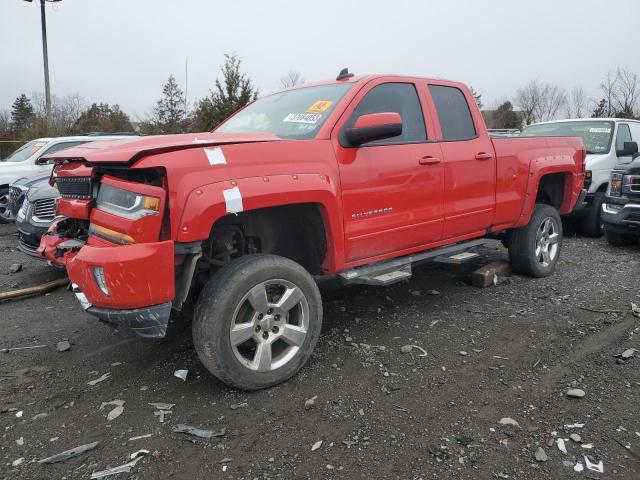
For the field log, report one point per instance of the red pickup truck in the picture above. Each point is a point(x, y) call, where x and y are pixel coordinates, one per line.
point(357, 177)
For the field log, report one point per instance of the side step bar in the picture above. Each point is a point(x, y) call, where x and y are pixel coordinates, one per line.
point(398, 269)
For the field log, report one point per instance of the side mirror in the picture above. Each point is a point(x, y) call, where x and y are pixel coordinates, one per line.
point(630, 149)
point(374, 126)
point(44, 161)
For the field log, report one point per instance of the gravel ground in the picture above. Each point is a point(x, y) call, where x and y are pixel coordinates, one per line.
point(508, 351)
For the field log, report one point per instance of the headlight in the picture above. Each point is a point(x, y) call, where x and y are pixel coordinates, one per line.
point(588, 177)
point(125, 203)
point(615, 184)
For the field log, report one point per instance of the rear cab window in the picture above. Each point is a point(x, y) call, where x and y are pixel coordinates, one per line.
point(453, 111)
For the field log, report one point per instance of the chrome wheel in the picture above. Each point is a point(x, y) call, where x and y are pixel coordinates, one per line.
point(4, 203)
point(547, 242)
point(269, 325)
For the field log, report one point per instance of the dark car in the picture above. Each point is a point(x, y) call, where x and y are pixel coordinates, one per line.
point(34, 217)
point(17, 193)
point(621, 208)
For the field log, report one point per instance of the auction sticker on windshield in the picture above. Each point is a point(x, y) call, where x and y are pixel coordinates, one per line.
point(310, 118)
point(320, 106)
point(599, 130)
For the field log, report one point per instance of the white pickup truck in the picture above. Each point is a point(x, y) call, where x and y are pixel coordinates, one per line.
point(603, 139)
point(25, 162)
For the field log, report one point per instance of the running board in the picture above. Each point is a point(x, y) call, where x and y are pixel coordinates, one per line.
point(398, 269)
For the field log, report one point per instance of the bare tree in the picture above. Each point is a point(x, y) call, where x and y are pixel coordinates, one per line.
point(291, 79)
point(65, 111)
point(626, 91)
point(5, 120)
point(540, 102)
point(527, 100)
point(577, 103)
point(607, 87)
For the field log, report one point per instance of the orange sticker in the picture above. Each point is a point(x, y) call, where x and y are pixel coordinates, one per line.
point(320, 106)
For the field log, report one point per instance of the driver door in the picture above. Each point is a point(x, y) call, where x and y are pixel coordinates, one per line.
point(392, 189)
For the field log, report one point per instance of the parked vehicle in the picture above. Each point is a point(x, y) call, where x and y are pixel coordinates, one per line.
point(28, 161)
point(18, 191)
point(36, 213)
point(603, 139)
point(621, 206)
point(357, 177)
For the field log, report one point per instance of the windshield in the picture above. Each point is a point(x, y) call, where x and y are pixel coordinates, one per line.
point(25, 151)
point(296, 114)
point(596, 135)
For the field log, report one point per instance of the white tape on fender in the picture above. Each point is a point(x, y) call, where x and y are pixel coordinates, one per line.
point(233, 199)
point(215, 156)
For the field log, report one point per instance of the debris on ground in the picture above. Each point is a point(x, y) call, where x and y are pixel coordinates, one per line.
point(575, 393)
point(576, 438)
point(181, 374)
point(64, 346)
point(593, 466)
point(140, 437)
point(635, 310)
point(14, 349)
point(162, 406)
point(316, 445)
point(40, 416)
point(310, 403)
point(115, 412)
point(630, 352)
point(17, 462)
point(541, 455)
point(578, 467)
point(19, 414)
point(126, 468)
point(408, 348)
point(71, 453)
point(99, 379)
point(189, 430)
point(161, 414)
point(15, 267)
point(490, 274)
point(38, 289)
point(238, 405)
point(509, 421)
point(561, 445)
point(574, 425)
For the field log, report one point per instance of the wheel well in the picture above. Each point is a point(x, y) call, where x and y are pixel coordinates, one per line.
point(293, 231)
point(603, 187)
point(551, 189)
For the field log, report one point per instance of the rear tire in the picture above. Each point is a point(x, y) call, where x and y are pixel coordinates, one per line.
point(257, 321)
point(616, 239)
point(535, 248)
point(592, 221)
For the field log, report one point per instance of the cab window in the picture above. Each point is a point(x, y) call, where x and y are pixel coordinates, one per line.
point(455, 117)
point(400, 98)
point(623, 135)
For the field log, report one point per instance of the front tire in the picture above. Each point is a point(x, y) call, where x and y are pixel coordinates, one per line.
point(5, 217)
point(592, 221)
point(535, 248)
point(616, 239)
point(257, 321)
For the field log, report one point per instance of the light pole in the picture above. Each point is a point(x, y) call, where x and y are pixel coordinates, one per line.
point(45, 55)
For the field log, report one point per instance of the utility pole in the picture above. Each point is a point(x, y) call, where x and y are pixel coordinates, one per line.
point(45, 55)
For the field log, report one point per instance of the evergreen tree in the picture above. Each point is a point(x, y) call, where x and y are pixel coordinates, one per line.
point(601, 109)
point(477, 96)
point(169, 113)
point(232, 93)
point(22, 114)
point(101, 117)
point(505, 117)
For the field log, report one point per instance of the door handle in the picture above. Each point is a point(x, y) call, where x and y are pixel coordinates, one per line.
point(429, 160)
point(483, 156)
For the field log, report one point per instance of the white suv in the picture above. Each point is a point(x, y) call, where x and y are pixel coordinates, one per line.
point(25, 162)
point(604, 140)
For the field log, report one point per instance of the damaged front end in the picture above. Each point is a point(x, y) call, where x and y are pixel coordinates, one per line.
point(111, 236)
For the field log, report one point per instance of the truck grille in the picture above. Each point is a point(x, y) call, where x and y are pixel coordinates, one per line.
point(14, 193)
point(74, 187)
point(44, 209)
point(633, 217)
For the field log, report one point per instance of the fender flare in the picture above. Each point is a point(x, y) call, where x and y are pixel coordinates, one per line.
point(208, 203)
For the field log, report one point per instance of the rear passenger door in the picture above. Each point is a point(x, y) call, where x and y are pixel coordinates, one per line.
point(469, 162)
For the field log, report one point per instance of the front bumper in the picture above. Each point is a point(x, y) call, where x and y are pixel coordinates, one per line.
point(138, 278)
point(621, 215)
point(29, 236)
point(148, 322)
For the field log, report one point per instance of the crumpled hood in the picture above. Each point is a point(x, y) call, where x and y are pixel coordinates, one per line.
point(128, 151)
point(28, 182)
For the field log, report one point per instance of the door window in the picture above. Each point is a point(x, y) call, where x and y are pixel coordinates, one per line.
point(400, 98)
point(624, 135)
point(455, 117)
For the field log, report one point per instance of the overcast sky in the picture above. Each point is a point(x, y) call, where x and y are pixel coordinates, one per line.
point(121, 51)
